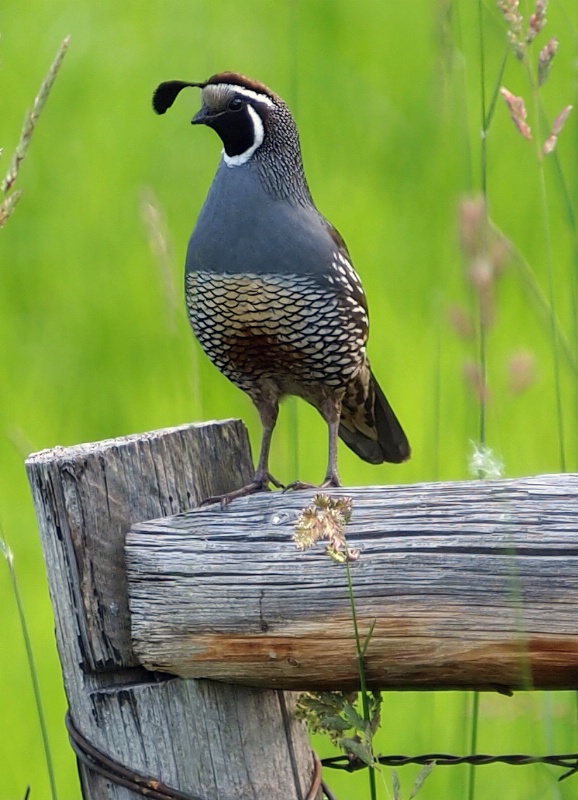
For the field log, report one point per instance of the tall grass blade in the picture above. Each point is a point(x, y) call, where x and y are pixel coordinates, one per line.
point(32, 118)
point(8, 555)
point(554, 330)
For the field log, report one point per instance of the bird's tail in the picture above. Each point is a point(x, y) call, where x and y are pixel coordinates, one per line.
point(368, 424)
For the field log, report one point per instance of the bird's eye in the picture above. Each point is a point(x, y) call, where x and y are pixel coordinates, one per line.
point(235, 104)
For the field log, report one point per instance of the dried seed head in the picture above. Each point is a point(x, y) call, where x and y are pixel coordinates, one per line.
point(486, 250)
point(473, 224)
point(521, 371)
point(500, 251)
point(326, 518)
point(537, 20)
point(475, 378)
point(510, 10)
point(461, 322)
point(481, 273)
point(552, 140)
point(308, 529)
point(517, 112)
point(516, 36)
point(545, 61)
point(483, 277)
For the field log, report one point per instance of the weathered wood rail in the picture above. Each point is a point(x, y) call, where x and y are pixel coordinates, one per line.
point(470, 585)
point(210, 740)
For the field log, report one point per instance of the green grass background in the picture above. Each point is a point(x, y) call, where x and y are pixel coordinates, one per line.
point(94, 341)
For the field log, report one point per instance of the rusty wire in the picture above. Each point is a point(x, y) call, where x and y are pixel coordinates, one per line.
point(101, 763)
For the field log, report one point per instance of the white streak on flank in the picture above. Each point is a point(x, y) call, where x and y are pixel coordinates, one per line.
point(258, 136)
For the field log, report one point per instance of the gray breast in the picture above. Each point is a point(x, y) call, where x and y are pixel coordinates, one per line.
point(242, 228)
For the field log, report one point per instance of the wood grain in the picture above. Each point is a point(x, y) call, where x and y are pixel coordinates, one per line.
point(471, 584)
point(209, 739)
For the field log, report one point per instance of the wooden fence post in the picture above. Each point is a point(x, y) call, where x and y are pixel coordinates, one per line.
point(207, 739)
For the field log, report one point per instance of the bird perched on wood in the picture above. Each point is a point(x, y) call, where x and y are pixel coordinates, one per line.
point(271, 292)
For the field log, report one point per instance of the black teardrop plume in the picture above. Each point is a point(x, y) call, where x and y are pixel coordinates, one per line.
point(165, 94)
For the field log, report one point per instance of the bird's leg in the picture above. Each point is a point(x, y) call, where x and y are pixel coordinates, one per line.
point(268, 411)
point(330, 408)
point(332, 477)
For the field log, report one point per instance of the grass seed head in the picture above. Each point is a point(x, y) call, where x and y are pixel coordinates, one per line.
point(516, 36)
point(518, 112)
point(521, 371)
point(552, 140)
point(474, 376)
point(461, 322)
point(547, 54)
point(537, 20)
point(326, 519)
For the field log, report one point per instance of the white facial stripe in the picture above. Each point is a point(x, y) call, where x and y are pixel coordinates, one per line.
point(258, 136)
point(261, 98)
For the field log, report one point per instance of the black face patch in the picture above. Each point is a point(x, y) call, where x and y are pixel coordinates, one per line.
point(236, 129)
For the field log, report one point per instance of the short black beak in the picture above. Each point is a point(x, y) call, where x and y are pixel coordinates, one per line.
point(202, 117)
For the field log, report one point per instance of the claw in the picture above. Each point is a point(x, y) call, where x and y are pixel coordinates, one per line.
point(332, 481)
point(298, 485)
point(260, 483)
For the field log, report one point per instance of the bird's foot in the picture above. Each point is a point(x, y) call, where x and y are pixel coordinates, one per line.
point(277, 484)
point(260, 483)
point(297, 485)
point(332, 481)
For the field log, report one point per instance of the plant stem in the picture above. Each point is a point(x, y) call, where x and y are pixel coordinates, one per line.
point(571, 213)
point(553, 326)
point(549, 264)
point(484, 154)
point(473, 744)
point(32, 666)
point(361, 650)
point(483, 355)
point(538, 295)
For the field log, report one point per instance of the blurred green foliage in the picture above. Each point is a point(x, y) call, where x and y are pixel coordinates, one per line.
point(92, 344)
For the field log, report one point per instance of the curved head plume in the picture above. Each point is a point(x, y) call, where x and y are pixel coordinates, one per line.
point(165, 94)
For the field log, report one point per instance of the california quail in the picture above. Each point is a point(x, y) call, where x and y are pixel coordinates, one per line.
point(271, 293)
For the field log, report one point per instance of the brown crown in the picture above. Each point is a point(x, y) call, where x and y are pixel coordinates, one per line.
point(236, 79)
